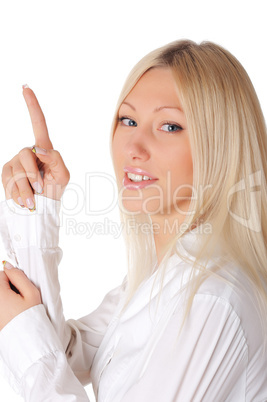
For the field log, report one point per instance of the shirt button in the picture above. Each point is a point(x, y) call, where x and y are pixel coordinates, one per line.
point(17, 237)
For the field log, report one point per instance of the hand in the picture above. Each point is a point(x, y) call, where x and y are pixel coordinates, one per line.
point(14, 302)
point(40, 170)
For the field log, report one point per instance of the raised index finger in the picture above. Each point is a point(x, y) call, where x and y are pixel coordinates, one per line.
point(38, 120)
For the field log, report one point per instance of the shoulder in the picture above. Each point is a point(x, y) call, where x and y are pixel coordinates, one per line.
point(230, 292)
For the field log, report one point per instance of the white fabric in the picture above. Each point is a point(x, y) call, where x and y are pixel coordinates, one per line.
point(135, 354)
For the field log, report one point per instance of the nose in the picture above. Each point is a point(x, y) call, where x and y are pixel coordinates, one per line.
point(137, 148)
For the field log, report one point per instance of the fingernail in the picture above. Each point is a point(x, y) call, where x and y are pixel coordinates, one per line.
point(25, 86)
point(20, 201)
point(7, 265)
point(37, 150)
point(30, 204)
point(37, 187)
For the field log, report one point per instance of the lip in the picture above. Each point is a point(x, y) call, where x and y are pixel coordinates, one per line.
point(131, 185)
point(130, 169)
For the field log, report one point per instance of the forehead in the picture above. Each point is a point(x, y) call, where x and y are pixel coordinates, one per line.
point(156, 86)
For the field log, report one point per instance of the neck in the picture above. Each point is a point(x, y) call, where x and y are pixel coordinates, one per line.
point(164, 230)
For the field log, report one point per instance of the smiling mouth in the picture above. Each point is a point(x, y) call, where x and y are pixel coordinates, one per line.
point(137, 177)
point(132, 181)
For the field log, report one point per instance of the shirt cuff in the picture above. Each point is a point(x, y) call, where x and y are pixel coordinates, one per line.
point(20, 228)
point(24, 340)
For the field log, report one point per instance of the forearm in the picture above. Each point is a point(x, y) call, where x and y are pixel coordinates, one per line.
point(31, 240)
point(34, 362)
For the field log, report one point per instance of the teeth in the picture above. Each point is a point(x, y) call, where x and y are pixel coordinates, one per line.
point(137, 177)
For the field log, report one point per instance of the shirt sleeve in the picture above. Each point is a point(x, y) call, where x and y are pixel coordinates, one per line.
point(205, 361)
point(34, 362)
point(31, 240)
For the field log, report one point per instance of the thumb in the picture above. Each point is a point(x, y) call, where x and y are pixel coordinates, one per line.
point(54, 161)
point(17, 278)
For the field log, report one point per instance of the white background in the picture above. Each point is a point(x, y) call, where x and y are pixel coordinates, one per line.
point(76, 55)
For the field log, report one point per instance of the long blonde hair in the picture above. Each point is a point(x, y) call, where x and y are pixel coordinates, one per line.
point(229, 149)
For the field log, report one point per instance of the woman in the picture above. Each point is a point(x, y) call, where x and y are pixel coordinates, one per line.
point(189, 321)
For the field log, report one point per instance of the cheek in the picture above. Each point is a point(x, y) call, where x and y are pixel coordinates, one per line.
point(182, 166)
point(117, 153)
point(188, 164)
point(182, 182)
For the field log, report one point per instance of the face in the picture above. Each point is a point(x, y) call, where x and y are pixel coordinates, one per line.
point(151, 149)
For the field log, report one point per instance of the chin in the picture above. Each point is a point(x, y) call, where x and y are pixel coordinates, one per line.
point(142, 207)
point(131, 207)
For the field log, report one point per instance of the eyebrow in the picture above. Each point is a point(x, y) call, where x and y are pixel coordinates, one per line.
point(157, 108)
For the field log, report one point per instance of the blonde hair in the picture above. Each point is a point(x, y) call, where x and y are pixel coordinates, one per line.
point(229, 150)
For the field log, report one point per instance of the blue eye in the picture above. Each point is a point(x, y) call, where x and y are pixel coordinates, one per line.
point(171, 127)
point(127, 122)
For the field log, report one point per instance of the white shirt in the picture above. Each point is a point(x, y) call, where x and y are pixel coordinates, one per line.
point(135, 354)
